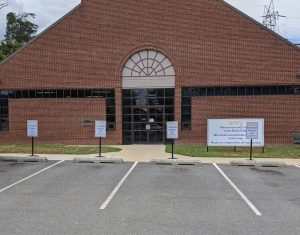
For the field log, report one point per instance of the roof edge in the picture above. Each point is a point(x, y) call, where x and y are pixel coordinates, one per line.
point(41, 33)
point(260, 24)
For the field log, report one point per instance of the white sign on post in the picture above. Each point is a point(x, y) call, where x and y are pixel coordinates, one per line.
point(172, 130)
point(252, 130)
point(32, 128)
point(233, 132)
point(100, 129)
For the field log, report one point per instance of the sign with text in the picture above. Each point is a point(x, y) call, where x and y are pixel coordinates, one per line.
point(233, 132)
point(100, 129)
point(172, 130)
point(252, 130)
point(32, 128)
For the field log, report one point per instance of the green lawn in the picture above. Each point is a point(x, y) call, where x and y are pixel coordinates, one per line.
point(55, 149)
point(241, 152)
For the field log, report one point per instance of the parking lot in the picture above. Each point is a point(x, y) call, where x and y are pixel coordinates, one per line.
point(61, 197)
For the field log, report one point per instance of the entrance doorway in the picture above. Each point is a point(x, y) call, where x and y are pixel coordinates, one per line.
point(145, 113)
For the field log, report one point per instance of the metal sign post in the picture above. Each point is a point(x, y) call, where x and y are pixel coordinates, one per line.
point(251, 133)
point(100, 132)
point(172, 133)
point(32, 131)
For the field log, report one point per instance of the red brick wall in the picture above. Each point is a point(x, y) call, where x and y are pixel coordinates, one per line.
point(209, 43)
point(281, 114)
point(59, 120)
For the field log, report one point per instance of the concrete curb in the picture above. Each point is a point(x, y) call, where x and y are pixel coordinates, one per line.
point(97, 160)
point(23, 159)
point(175, 162)
point(243, 163)
point(270, 164)
point(257, 163)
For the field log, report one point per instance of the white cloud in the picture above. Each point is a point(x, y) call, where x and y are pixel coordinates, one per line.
point(48, 11)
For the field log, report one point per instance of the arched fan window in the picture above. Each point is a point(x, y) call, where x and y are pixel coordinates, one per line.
point(148, 69)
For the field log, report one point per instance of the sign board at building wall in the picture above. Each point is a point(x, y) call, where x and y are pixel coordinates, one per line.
point(233, 132)
point(32, 128)
point(100, 129)
point(172, 130)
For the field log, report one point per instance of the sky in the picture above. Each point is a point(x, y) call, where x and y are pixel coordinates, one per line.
point(49, 11)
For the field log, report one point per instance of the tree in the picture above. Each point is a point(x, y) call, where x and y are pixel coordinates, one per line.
point(3, 3)
point(19, 27)
point(19, 30)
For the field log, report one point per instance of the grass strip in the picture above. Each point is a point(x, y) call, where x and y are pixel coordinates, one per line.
point(241, 152)
point(55, 149)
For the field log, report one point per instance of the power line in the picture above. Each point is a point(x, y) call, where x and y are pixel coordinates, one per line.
point(271, 17)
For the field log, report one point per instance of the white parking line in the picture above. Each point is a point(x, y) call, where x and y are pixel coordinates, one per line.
point(238, 191)
point(28, 177)
point(103, 206)
point(297, 166)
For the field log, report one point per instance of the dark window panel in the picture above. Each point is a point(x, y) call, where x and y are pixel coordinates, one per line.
point(18, 94)
point(53, 94)
point(60, 94)
point(88, 93)
point(265, 90)
point(170, 109)
point(81, 94)
point(67, 93)
point(186, 117)
point(46, 94)
point(186, 101)
point(241, 90)
point(202, 91)
point(210, 91)
point(169, 92)
point(281, 90)
point(74, 94)
point(233, 91)
point(39, 94)
point(126, 93)
point(110, 118)
point(273, 90)
point(257, 90)
point(218, 91)
point(169, 101)
point(249, 90)
point(226, 91)
point(11, 94)
point(110, 101)
point(110, 110)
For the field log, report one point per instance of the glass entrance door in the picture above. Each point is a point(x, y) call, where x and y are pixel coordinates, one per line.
point(145, 112)
point(148, 125)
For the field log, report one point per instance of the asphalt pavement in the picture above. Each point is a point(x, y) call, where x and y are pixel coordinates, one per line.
point(61, 197)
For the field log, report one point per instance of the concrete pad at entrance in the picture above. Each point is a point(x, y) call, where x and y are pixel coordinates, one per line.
point(23, 159)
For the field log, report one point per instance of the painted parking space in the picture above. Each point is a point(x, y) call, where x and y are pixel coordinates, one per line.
point(65, 198)
point(275, 191)
point(152, 199)
point(11, 172)
point(177, 199)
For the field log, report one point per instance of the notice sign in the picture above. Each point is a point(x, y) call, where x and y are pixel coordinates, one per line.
point(233, 132)
point(100, 129)
point(252, 130)
point(32, 128)
point(172, 130)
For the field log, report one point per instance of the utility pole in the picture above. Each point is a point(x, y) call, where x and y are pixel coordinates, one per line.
point(271, 17)
point(3, 3)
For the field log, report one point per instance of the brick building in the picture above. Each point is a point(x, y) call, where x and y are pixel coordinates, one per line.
point(137, 63)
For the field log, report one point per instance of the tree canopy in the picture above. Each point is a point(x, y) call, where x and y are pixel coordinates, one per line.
point(19, 30)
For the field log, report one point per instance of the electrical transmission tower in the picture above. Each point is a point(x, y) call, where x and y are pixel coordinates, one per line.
point(271, 17)
point(3, 3)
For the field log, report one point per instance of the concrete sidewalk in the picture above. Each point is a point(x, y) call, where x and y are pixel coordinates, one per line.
point(145, 153)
